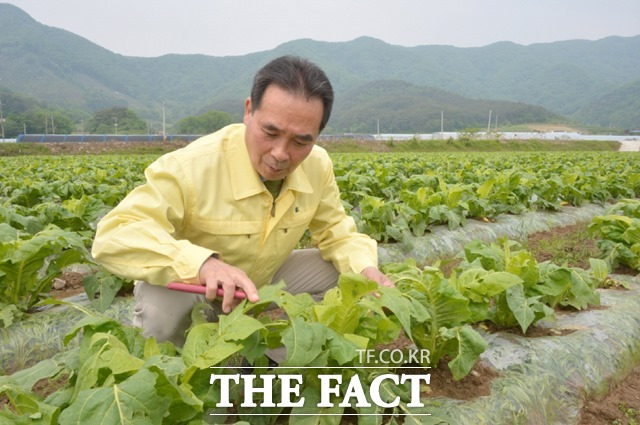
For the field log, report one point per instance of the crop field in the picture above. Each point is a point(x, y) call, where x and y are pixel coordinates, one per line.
point(49, 207)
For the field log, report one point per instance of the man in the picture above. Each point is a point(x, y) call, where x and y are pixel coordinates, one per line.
point(228, 210)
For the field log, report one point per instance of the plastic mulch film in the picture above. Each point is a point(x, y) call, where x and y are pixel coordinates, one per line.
point(39, 335)
point(445, 243)
point(546, 380)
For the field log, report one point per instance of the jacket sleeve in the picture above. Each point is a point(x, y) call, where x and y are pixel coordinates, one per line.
point(336, 235)
point(136, 239)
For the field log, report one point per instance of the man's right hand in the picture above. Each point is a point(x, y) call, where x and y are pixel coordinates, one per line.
point(214, 273)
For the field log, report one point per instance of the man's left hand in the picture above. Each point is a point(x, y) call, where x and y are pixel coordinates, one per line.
point(372, 273)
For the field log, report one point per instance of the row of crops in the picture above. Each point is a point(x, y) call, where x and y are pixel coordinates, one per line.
point(50, 207)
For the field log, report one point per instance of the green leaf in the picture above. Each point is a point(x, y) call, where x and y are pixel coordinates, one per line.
point(341, 348)
point(480, 284)
point(106, 285)
point(209, 344)
point(485, 189)
point(582, 293)
point(25, 408)
point(401, 307)
point(490, 257)
point(314, 415)
point(520, 307)
point(92, 324)
point(297, 305)
point(184, 404)
point(304, 342)
point(555, 281)
point(205, 346)
point(7, 233)
point(470, 345)
point(27, 378)
point(134, 401)
point(9, 314)
point(238, 328)
point(599, 270)
point(524, 265)
point(105, 352)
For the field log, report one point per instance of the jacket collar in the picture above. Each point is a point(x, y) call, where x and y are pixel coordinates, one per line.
point(245, 180)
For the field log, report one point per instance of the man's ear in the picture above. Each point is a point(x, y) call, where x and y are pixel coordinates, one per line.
point(247, 109)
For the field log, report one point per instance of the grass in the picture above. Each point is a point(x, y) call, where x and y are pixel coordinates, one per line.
point(631, 415)
point(467, 145)
point(85, 148)
point(17, 149)
point(572, 245)
point(334, 146)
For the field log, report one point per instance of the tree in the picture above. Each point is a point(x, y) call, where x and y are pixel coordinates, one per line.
point(204, 124)
point(39, 121)
point(22, 113)
point(116, 120)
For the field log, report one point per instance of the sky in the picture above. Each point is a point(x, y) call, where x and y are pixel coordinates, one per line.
point(153, 28)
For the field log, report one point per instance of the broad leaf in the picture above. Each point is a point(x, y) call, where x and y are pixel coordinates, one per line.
point(134, 401)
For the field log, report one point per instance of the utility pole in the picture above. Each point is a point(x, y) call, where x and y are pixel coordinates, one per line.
point(164, 124)
point(489, 125)
point(53, 126)
point(1, 121)
point(378, 127)
point(24, 128)
point(115, 124)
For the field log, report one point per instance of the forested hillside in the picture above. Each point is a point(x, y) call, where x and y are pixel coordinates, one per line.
point(588, 80)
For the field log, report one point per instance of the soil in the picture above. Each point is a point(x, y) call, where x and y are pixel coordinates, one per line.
point(43, 388)
point(4, 401)
point(97, 148)
point(73, 285)
point(621, 405)
point(476, 384)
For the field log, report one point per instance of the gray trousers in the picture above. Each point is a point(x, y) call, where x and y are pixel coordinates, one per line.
point(166, 314)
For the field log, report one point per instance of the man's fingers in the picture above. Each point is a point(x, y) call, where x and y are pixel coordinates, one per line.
point(212, 289)
point(216, 274)
point(377, 276)
point(250, 289)
point(228, 296)
point(386, 282)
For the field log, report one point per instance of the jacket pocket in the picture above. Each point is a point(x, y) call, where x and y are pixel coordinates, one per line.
point(237, 241)
point(295, 220)
point(229, 227)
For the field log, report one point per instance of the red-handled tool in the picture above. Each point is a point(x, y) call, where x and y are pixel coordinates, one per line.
point(201, 289)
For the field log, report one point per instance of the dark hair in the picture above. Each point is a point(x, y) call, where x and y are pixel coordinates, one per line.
point(296, 75)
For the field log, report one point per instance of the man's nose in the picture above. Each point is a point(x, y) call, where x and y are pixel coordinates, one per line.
point(279, 150)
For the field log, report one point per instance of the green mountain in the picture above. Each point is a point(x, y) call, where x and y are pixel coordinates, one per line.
point(397, 105)
point(616, 109)
point(63, 69)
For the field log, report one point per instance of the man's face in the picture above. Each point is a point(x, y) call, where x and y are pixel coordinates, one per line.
point(282, 131)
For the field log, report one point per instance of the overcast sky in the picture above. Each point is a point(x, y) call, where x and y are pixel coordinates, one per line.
point(238, 27)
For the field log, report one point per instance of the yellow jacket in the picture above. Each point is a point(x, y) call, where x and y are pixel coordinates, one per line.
point(207, 198)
